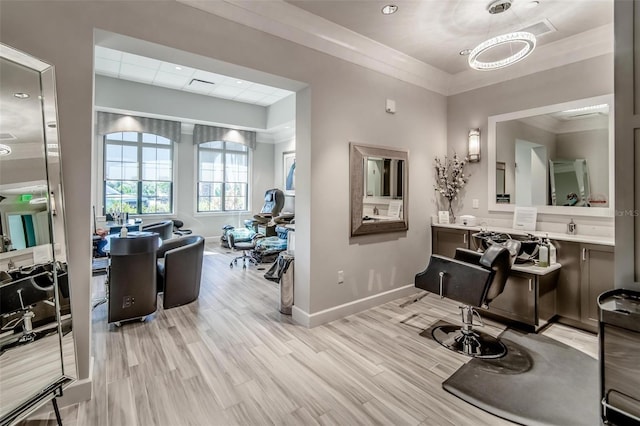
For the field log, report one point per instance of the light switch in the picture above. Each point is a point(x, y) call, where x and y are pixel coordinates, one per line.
point(390, 106)
point(475, 203)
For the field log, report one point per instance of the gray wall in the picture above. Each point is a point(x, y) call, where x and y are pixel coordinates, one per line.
point(592, 77)
point(344, 102)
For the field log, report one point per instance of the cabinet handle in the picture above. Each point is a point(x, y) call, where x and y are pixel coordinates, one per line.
point(530, 284)
point(464, 238)
point(584, 254)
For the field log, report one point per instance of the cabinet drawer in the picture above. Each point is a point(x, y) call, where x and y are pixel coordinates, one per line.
point(517, 301)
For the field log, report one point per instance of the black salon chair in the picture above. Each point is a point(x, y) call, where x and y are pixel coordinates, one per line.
point(473, 279)
point(245, 247)
point(179, 270)
point(164, 229)
point(178, 230)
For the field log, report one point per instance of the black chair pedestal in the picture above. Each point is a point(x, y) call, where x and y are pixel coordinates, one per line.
point(468, 341)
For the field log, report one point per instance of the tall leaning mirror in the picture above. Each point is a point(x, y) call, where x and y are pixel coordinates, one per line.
point(379, 189)
point(557, 158)
point(36, 340)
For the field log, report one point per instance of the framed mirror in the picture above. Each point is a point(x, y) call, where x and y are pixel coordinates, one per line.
point(36, 341)
point(378, 182)
point(557, 158)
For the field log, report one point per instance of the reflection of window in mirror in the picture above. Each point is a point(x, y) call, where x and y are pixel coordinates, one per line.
point(500, 169)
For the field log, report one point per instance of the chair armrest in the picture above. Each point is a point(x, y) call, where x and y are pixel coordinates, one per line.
point(169, 245)
point(469, 256)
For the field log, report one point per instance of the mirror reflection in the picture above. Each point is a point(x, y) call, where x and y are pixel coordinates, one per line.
point(557, 156)
point(35, 316)
point(378, 182)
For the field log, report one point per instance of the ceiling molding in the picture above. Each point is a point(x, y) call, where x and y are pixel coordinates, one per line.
point(289, 22)
point(299, 26)
point(588, 44)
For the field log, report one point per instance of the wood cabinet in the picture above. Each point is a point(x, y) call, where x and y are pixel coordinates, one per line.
point(597, 276)
point(527, 298)
point(445, 241)
point(587, 271)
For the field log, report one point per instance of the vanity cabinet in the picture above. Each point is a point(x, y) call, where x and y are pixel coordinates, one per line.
point(527, 298)
point(445, 241)
point(597, 276)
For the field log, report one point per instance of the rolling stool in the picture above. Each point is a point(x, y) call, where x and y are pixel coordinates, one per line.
point(244, 246)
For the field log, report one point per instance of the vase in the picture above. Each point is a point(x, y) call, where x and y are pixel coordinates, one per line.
point(452, 216)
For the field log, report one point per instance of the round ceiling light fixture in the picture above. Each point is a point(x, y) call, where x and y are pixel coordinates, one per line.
point(389, 9)
point(4, 149)
point(527, 40)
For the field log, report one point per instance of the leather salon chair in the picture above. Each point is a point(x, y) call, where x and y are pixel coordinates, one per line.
point(273, 203)
point(179, 270)
point(474, 279)
point(164, 229)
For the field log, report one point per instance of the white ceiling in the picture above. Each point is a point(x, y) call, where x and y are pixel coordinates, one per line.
point(435, 31)
point(128, 66)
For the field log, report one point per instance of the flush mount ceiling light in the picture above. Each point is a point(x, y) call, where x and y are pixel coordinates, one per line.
point(21, 95)
point(389, 9)
point(527, 40)
point(4, 149)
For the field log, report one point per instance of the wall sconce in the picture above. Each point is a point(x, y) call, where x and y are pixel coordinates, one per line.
point(474, 145)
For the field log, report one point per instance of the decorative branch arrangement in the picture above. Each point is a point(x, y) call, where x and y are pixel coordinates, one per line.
point(450, 179)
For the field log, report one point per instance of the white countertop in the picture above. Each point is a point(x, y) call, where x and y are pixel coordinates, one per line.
point(536, 270)
point(589, 239)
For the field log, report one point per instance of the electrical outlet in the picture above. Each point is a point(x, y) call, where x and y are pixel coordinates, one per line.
point(340, 277)
point(127, 301)
point(475, 203)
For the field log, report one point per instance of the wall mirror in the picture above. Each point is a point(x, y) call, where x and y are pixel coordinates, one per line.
point(378, 182)
point(557, 158)
point(36, 341)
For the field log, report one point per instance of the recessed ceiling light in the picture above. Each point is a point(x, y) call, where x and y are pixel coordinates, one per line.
point(532, 4)
point(21, 95)
point(239, 81)
point(179, 68)
point(389, 9)
point(465, 52)
point(5, 149)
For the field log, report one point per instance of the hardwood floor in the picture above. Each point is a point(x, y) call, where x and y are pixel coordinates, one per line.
point(231, 358)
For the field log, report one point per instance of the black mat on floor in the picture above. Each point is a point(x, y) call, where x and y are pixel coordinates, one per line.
point(539, 382)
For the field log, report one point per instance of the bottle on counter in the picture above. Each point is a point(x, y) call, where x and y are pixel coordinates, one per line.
point(543, 254)
point(553, 253)
point(123, 230)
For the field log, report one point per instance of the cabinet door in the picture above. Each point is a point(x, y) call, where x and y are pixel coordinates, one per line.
point(517, 301)
point(445, 241)
point(597, 277)
point(568, 290)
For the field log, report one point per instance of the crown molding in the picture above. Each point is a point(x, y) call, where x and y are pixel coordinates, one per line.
point(291, 23)
point(588, 44)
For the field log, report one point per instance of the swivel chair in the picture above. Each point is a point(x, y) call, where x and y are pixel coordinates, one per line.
point(178, 230)
point(179, 270)
point(473, 279)
point(243, 246)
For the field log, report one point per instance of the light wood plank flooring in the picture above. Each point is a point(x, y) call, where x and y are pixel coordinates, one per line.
point(231, 358)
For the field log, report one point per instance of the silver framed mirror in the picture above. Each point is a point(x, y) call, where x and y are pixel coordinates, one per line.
point(524, 146)
point(35, 315)
point(378, 182)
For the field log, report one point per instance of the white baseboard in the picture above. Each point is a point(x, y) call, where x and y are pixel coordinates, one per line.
point(313, 320)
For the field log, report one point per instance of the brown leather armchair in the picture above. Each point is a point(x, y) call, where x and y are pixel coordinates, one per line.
point(473, 279)
point(179, 270)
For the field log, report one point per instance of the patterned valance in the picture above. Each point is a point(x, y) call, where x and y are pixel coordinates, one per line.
point(203, 134)
point(111, 123)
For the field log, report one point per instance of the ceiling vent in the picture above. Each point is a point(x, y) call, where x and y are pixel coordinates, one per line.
point(540, 28)
point(7, 136)
point(198, 84)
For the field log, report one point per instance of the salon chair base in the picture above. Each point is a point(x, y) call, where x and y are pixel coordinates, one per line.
point(475, 343)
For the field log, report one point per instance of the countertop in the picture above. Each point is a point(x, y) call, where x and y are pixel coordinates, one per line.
point(589, 239)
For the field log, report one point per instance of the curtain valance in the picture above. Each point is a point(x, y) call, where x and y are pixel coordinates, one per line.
point(202, 133)
point(111, 123)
